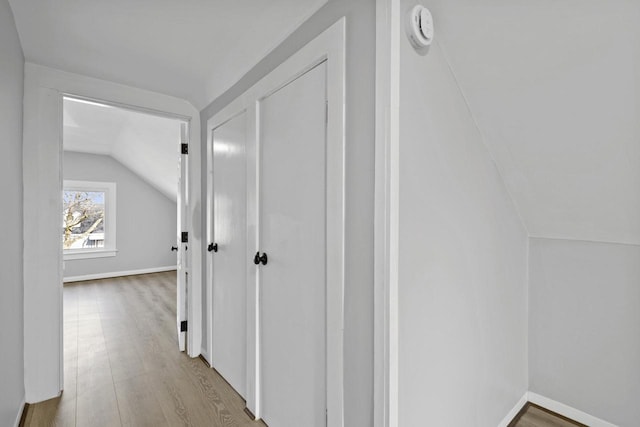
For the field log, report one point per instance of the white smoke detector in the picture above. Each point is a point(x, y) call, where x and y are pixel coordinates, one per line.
point(420, 28)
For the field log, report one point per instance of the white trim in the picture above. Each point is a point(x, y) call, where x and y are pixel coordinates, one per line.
point(514, 411)
point(118, 274)
point(70, 255)
point(383, 373)
point(128, 107)
point(568, 411)
point(328, 46)
point(386, 228)
point(19, 416)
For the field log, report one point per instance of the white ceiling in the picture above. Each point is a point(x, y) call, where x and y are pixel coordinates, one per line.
point(192, 49)
point(554, 86)
point(148, 145)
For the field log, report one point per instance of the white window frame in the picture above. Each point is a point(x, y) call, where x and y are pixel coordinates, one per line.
point(109, 189)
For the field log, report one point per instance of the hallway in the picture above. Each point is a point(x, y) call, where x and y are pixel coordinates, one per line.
point(123, 367)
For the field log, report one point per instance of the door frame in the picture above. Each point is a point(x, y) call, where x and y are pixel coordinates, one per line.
point(42, 177)
point(328, 46)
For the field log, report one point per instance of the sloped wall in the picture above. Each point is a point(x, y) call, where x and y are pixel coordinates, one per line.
point(146, 218)
point(11, 232)
point(462, 260)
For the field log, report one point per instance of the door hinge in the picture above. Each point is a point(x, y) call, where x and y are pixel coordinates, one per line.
point(185, 236)
point(183, 326)
point(184, 148)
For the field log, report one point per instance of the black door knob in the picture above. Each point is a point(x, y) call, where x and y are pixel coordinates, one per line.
point(174, 248)
point(260, 259)
point(212, 247)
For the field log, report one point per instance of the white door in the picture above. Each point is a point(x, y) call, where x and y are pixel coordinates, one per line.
point(293, 237)
point(228, 252)
point(182, 260)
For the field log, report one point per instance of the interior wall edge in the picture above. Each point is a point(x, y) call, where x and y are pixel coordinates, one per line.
point(483, 138)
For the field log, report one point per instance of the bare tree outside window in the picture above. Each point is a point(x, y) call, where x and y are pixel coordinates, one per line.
point(83, 219)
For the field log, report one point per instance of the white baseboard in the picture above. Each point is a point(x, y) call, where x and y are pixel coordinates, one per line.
point(19, 416)
point(514, 411)
point(568, 411)
point(118, 274)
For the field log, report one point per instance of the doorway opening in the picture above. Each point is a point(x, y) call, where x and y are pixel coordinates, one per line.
point(125, 271)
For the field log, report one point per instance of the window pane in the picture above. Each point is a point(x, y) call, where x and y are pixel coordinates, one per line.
point(83, 219)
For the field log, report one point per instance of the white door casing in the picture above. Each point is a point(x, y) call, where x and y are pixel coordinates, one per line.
point(227, 250)
point(42, 150)
point(328, 47)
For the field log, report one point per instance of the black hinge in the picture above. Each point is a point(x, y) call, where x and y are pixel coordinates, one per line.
point(185, 236)
point(183, 326)
point(184, 148)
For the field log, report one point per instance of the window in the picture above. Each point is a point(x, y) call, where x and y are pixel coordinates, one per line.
point(88, 219)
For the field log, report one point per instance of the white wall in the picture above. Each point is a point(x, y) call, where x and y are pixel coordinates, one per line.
point(462, 290)
point(584, 327)
point(360, 103)
point(11, 279)
point(145, 218)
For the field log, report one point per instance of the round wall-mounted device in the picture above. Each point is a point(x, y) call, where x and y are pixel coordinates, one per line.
point(420, 28)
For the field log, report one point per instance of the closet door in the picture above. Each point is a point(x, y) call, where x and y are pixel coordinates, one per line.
point(293, 212)
point(228, 252)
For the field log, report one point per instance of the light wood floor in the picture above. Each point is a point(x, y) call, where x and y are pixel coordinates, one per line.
point(534, 416)
point(122, 366)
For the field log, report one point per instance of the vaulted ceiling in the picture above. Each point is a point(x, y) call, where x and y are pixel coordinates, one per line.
point(554, 87)
point(192, 49)
point(147, 145)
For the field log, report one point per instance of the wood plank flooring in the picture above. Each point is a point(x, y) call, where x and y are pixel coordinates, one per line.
point(122, 366)
point(535, 416)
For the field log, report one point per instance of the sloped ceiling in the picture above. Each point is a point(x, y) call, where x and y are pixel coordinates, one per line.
point(148, 145)
point(554, 86)
point(192, 49)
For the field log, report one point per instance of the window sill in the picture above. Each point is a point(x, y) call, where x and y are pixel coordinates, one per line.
point(87, 254)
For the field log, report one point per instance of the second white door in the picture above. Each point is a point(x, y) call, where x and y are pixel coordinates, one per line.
point(293, 236)
point(228, 252)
